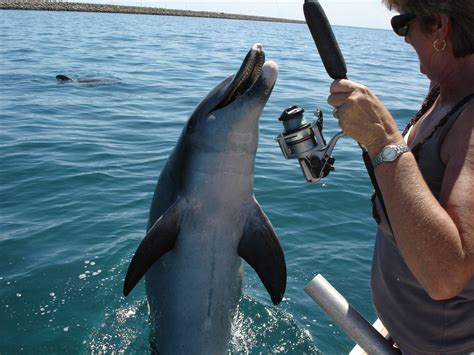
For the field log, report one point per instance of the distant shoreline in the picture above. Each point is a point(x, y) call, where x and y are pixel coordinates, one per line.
point(83, 7)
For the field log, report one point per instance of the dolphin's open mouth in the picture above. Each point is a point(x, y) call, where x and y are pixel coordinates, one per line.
point(247, 75)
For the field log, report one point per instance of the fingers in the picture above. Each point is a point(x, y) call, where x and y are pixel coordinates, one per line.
point(340, 91)
point(340, 98)
point(347, 98)
point(340, 113)
point(337, 100)
point(342, 86)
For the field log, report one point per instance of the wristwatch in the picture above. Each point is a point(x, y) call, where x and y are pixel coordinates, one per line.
point(389, 153)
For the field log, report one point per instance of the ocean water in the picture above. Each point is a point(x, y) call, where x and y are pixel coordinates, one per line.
point(79, 163)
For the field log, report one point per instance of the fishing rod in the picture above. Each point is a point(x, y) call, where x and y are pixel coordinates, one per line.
point(305, 141)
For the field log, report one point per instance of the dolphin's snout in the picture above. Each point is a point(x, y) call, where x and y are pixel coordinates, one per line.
point(258, 47)
point(270, 72)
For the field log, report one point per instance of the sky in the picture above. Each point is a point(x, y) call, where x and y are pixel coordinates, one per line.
point(358, 13)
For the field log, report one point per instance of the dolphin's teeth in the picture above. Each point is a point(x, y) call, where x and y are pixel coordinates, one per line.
point(247, 75)
point(257, 70)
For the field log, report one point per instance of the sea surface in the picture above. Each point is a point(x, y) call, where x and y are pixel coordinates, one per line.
point(79, 164)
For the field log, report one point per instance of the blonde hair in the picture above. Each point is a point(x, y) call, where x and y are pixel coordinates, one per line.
point(461, 13)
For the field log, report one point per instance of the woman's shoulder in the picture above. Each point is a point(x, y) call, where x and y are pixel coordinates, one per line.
point(464, 121)
point(466, 112)
point(459, 139)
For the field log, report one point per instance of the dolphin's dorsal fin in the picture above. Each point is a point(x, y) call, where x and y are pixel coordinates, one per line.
point(63, 78)
point(260, 248)
point(160, 239)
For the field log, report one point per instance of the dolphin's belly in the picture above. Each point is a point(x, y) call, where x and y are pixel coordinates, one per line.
point(193, 290)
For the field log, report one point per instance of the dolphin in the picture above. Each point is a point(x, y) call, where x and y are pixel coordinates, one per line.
point(204, 219)
point(66, 79)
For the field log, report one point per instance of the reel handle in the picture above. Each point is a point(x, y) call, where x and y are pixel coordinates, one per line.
point(324, 39)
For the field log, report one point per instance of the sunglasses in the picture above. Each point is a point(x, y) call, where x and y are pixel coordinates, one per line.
point(400, 23)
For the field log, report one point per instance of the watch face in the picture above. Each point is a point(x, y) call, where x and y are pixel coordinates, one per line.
point(389, 153)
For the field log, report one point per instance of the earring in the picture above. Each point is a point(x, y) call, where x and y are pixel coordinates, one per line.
point(439, 49)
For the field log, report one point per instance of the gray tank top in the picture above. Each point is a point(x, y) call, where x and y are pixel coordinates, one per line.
point(419, 324)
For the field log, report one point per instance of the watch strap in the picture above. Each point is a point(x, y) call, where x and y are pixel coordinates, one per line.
point(380, 158)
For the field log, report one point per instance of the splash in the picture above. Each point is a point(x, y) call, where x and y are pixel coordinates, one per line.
point(256, 328)
point(124, 330)
point(260, 328)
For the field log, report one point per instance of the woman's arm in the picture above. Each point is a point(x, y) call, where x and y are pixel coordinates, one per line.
point(436, 238)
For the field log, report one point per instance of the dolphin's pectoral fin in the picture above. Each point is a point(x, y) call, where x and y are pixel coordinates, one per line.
point(160, 239)
point(259, 246)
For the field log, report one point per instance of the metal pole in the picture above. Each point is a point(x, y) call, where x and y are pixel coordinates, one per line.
point(348, 319)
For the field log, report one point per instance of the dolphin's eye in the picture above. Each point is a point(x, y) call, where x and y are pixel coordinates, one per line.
point(190, 125)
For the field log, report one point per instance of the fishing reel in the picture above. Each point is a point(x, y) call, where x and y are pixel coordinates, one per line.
point(304, 141)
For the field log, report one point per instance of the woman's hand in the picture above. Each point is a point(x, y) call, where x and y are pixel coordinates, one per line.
point(363, 116)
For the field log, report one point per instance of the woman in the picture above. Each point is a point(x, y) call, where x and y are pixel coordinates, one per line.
point(423, 266)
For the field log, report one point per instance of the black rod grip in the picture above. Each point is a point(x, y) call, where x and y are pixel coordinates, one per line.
point(324, 39)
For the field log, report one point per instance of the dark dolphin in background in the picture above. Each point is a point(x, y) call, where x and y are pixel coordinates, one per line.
point(204, 218)
point(67, 79)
